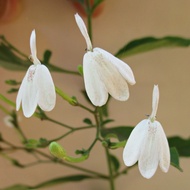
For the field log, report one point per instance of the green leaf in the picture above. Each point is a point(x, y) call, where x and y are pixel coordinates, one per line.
point(56, 181)
point(96, 4)
point(151, 43)
point(47, 56)
point(175, 158)
point(122, 132)
point(12, 82)
point(52, 182)
point(17, 187)
point(87, 121)
point(32, 143)
point(80, 69)
point(43, 142)
point(182, 145)
point(115, 163)
point(107, 121)
point(9, 60)
point(12, 90)
point(104, 109)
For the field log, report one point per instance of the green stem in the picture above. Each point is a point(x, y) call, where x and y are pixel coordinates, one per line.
point(92, 145)
point(111, 177)
point(58, 123)
point(62, 136)
point(4, 110)
point(61, 70)
point(18, 128)
point(71, 131)
point(72, 166)
point(12, 47)
point(89, 17)
point(98, 118)
point(84, 107)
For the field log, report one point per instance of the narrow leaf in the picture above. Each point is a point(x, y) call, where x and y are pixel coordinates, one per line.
point(73, 178)
point(115, 163)
point(151, 43)
point(87, 121)
point(52, 182)
point(47, 56)
point(175, 158)
point(17, 187)
point(107, 121)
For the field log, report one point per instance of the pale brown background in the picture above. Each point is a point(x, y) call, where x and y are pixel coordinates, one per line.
point(121, 21)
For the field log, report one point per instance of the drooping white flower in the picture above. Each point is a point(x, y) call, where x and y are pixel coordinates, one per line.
point(148, 144)
point(103, 72)
point(37, 87)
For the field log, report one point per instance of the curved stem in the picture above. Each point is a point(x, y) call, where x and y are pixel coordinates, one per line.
point(72, 166)
point(84, 107)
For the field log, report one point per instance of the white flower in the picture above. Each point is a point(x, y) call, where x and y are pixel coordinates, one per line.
point(37, 87)
point(103, 72)
point(148, 144)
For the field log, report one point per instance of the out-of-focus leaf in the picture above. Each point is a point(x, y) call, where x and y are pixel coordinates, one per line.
point(73, 178)
point(96, 4)
point(52, 182)
point(9, 60)
point(115, 163)
point(175, 158)
point(17, 187)
point(87, 121)
point(12, 90)
point(80, 69)
point(122, 132)
point(151, 43)
point(12, 82)
point(107, 121)
point(47, 56)
point(32, 143)
point(182, 145)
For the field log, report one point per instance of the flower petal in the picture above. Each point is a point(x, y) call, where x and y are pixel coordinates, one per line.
point(164, 149)
point(29, 92)
point(114, 82)
point(149, 156)
point(155, 100)
point(33, 48)
point(94, 86)
point(133, 146)
point(46, 88)
point(84, 31)
point(122, 67)
point(21, 92)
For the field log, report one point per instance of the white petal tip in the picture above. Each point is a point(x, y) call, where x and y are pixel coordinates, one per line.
point(156, 89)
point(83, 30)
point(33, 36)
